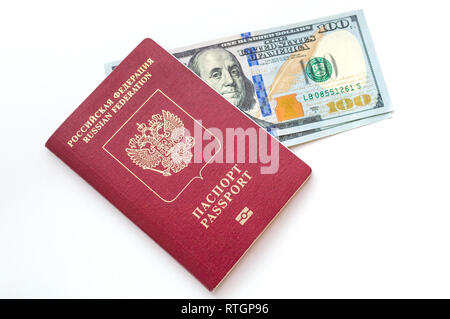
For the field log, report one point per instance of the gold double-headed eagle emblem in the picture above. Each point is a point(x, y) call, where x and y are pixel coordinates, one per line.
point(164, 152)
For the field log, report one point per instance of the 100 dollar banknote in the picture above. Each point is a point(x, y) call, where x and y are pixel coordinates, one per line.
point(306, 77)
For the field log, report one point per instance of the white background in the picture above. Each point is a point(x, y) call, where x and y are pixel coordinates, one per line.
point(373, 220)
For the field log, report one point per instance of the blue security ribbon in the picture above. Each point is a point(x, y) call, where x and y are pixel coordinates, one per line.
point(261, 94)
point(258, 81)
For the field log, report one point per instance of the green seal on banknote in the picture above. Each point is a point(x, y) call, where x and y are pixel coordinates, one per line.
point(319, 69)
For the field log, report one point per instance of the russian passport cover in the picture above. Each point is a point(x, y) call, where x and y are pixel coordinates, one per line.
point(181, 162)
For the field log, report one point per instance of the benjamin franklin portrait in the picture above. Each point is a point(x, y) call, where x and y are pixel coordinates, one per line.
point(223, 72)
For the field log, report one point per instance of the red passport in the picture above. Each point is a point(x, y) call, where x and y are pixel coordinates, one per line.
point(186, 166)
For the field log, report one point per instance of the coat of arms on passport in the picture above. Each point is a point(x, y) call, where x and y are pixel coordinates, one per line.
point(162, 143)
point(156, 145)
